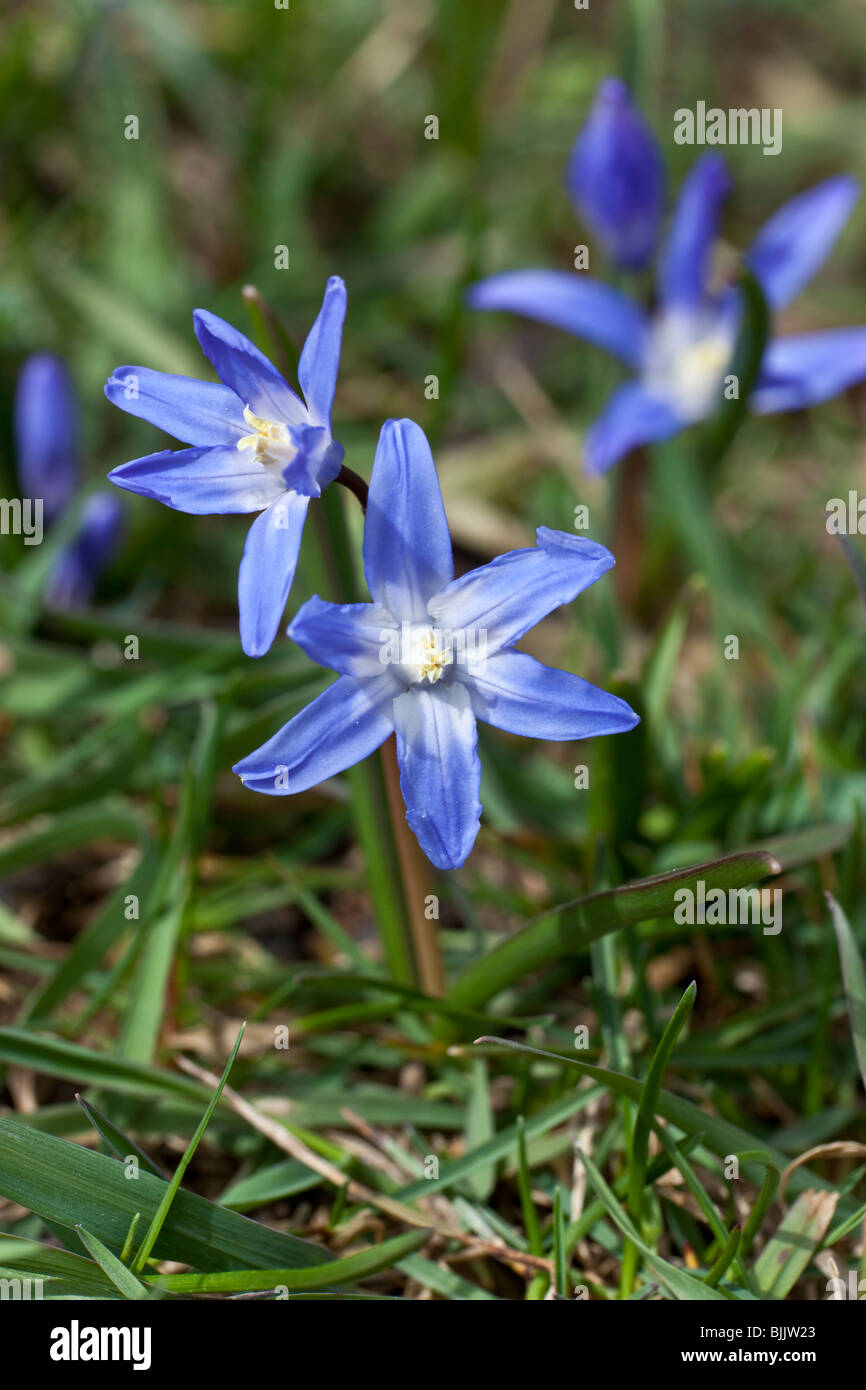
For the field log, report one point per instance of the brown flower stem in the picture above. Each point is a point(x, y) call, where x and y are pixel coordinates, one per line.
point(629, 528)
point(416, 881)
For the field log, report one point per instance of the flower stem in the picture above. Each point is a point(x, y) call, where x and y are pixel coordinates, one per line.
point(416, 882)
point(397, 870)
point(413, 865)
point(370, 804)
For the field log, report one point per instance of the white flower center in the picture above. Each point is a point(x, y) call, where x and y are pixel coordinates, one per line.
point(686, 363)
point(428, 652)
point(270, 439)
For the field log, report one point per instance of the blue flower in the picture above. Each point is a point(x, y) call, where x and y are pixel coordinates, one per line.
point(45, 433)
point(681, 353)
point(79, 565)
point(47, 447)
point(256, 447)
point(616, 177)
point(431, 655)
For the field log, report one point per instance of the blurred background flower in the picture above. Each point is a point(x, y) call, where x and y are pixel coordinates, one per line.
point(46, 433)
point(46, 436)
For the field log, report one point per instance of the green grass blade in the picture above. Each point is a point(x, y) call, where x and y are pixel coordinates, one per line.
point(724, 1260)
point(343, 1271)
point(719, 1135)
point(162, 1210)
point(799, 1236)
point(85, 1067)
point(122, 1278)
point(122, 1145)
point(571, 928)
point(854, 979)
point(678, 1282)
point(68, 1185)
point(643, 1128)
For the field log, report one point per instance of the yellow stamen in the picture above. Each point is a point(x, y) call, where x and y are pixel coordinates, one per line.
point(270, 438)
point(432, 659)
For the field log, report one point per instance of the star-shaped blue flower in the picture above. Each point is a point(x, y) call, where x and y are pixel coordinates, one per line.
point(432, 654)
point(682, 351)
point(256, 447)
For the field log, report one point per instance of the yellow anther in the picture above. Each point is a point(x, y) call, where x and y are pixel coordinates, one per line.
point(433, 659)
point(270, 438)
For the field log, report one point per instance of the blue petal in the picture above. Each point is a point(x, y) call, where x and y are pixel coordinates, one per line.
point(515, 692)
point(196, 412)
point(616, 177)
point(241, 366)
point(631, 417)
point(267, 569)
point(320, 359)
point(45, 433)
point(684, 267)
point(809, 368)
point(796, 241)
point(317, 461)
point(579, 305)
point(204, 482)
point(407, 546)
point(79, 566)
point(349, 637)
point(346, 723)
point(440, 775)
point(501, 601)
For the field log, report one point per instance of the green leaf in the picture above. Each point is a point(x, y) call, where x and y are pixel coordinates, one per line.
point(748, 354)
point(643, 1126)
point(799, 1236)
point(570, 928)
point(444, 1281)
point(479, 1129)
point(343, 1271)
point(122, 1145)
point(677, 1281)
point(69, 1185)
point(164, 1207)
point(81, 1065)
point(854, 979)
point(69, 1273)
point(719, 1135)
point(724, 1260)
point(144, 1011)
point(117, 1272)
point(270, 1184)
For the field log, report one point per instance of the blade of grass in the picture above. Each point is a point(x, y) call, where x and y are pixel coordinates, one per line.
point(67, 1184)
point(854, 979)
point(679, 1283)
point(342, 1271)
point(643, 1127)
point(569, 929)
point(122, 1145)
point(117, 1272)
point(164, 1207)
